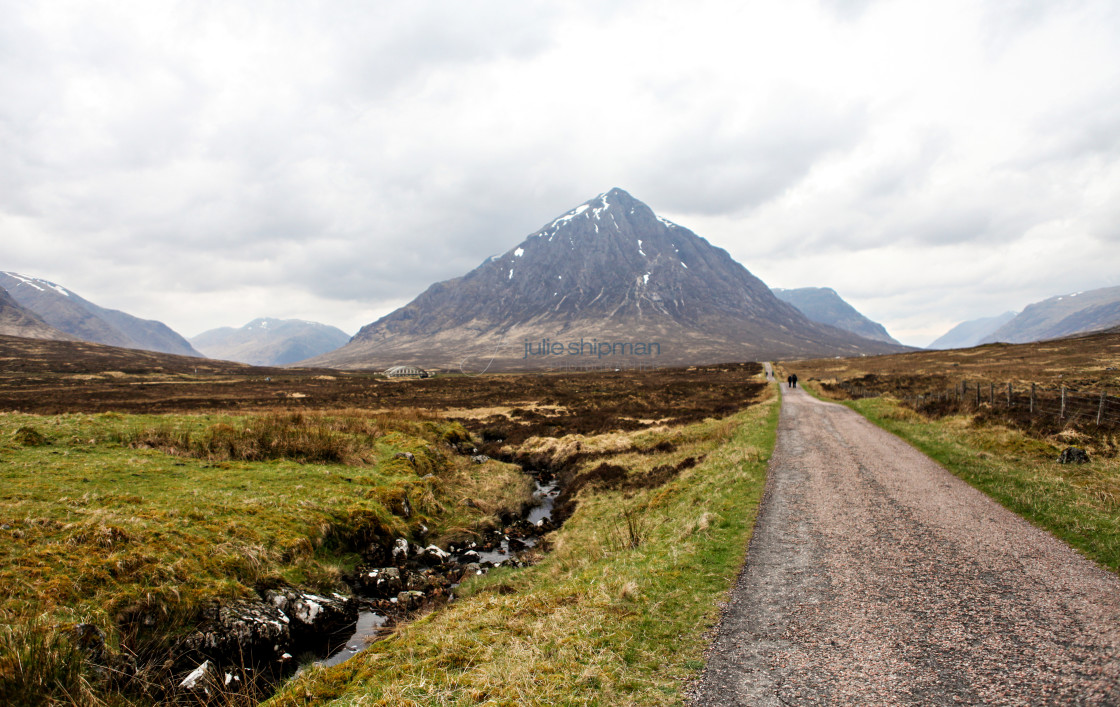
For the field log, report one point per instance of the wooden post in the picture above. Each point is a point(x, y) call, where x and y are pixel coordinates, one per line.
point(1062, 414)
point(1100, 410)
point(1009, 394)
point(992, 394)
point(977, 395)
point(1032, 398)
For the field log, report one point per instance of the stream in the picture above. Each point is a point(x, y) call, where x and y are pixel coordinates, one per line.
point(373, 625)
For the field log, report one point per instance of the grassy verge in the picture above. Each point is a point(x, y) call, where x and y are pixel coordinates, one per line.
point(1078, 503)
point(133, 523)
point(614, 614)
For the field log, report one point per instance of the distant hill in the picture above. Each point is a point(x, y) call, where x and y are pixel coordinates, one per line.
point(17, 320)
point(84, 320)
point(270, 342)
point(970, 333)
point(1066, 315)
point(825, 306)
point(609, 283)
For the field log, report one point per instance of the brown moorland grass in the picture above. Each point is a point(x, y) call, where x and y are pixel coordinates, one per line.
point(103, 525)
point(245, 477)
point(615, 613)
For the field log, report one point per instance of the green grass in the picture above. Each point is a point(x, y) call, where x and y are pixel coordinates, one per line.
point(107, 517)
point(616, 613)
point(1078, 503)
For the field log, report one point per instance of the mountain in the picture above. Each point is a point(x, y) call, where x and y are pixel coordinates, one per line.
point(971, 333)
point(85, 320)
point(1066, 315)
point(824, 306)
point(270, 342)
point(17, 320)
point(609, 283)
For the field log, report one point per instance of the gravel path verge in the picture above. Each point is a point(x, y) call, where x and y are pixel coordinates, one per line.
point(875, 577)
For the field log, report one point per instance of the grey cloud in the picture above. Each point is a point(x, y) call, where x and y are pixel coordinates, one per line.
point(724, 166)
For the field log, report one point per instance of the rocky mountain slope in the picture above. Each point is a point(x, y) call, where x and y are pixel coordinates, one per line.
point(609, 283)
point(824, 306)
point(1078, 313)
point(970, 333)
point(270, 342)
point(17, 320)
point(84, 320)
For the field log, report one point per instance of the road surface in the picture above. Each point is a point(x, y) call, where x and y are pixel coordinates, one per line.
point(875, 577)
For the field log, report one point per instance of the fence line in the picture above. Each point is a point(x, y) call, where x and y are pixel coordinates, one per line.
point(1093, 407)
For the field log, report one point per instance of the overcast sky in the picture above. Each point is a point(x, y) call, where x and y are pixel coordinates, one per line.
point(205, 163)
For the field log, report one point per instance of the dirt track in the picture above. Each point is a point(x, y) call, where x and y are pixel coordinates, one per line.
point(876, 577)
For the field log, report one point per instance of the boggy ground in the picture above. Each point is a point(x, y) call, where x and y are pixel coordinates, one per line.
point(134, 533)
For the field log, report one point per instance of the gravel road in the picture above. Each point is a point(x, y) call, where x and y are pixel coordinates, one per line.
point(875, 577)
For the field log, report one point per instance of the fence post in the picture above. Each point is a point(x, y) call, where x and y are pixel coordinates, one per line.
point(1008, 394)
point(1032, 398)
point(1100, 409)
point(992, 393)
point(977, 395)
point(1062, 414)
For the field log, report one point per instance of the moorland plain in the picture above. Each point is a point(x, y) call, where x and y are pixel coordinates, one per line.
point(141, 491)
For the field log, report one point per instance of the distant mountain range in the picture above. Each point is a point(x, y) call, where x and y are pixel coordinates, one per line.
point(824, 306)
point(1052, 318)
point(270, 342)
point(608, 283)
point(971, 333)
point(1065, 315)
point(84, 320)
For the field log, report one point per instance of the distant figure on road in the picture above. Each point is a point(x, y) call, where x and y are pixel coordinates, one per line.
point(789, 381)
point(792, 380)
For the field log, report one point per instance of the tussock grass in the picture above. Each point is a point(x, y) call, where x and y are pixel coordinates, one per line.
point(1078, 503)
point(614, 614)
point(96, 527)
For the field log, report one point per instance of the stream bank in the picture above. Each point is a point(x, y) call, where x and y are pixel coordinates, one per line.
point(244, 650)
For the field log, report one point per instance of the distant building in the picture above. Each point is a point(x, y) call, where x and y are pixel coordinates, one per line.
point(406, 372)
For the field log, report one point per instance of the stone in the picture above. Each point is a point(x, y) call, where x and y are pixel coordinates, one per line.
point(380, 583)
point(199, 679)
point(433, 556)
point(239, 629)
point(312, 612)
point(470, 556)
point(1073, 455)
point(400, 549)
point(410, 600)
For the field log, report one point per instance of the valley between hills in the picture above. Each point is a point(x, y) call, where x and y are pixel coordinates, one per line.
point(554, 509)
point(193, 532)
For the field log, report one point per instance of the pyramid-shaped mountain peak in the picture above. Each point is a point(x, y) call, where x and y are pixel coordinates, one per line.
point(607, 271)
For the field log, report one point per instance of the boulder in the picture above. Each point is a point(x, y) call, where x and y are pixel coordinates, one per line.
point(410, 600)
point(432, 556)
point(1073, 455)
point(312, 613)
point(235, 630)
point(380, 583)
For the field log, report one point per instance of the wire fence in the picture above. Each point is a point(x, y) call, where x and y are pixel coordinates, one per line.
point(1065, 405)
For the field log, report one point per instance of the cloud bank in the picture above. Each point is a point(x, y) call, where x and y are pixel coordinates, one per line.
point(207, 163)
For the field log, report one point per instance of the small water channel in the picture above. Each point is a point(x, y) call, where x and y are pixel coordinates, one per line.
point(373, 625)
